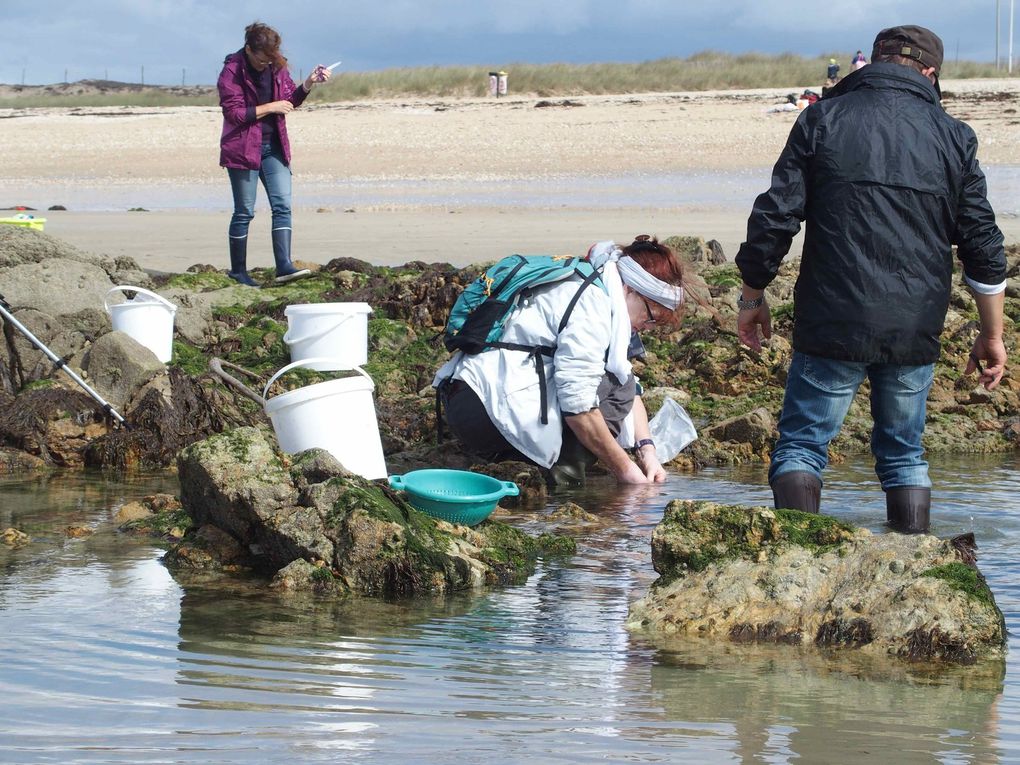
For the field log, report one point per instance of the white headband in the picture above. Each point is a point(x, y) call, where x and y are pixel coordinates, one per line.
point(635, 277)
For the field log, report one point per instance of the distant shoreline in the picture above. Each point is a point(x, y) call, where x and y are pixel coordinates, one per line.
point(453, 179)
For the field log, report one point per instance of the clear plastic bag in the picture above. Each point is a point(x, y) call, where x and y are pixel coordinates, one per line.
point(672, 430)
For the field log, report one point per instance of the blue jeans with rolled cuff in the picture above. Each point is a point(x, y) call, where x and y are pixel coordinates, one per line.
point(819, 392)
point(275, 176)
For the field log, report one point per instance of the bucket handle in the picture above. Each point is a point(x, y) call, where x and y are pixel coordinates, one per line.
point(294, 341)
point(160, 298)
point(303, 362)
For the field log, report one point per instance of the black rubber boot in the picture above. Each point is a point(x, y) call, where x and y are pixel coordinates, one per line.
point(908, 508)
point(239, 262)
point(285, 271)
point(572, 465)
point(797, 490)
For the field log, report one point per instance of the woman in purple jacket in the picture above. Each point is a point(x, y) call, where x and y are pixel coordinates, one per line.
point(256, 95)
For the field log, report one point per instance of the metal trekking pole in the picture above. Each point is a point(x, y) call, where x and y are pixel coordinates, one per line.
point(59, 363)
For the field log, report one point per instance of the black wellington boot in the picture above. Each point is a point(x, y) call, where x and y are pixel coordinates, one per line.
point(572, 465)
point(239, 262)
point(908, 508)
point(797, 490)
point(285, 271)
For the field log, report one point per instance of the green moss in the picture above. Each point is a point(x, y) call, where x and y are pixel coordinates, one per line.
point(231, 314)
point(189, 359)
point(161, 524)
point(201, 282)
point(322, 574)
point(725, 276)
point(695, 535)
point(507, 544)
point(812, 531)
point(399, 361)
point(782, 311)
point(961, 577)
point(556, 545)
point(312, 289)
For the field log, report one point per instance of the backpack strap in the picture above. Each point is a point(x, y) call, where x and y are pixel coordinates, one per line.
point(536, 352)
point(591, 278)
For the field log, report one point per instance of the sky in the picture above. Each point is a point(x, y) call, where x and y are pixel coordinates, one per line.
point(173, 41)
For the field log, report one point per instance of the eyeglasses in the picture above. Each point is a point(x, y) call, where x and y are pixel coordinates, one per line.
point(648, 309)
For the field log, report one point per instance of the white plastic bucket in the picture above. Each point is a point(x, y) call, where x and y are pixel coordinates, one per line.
point(149, 319)
point(334, 333)
point(336, 415)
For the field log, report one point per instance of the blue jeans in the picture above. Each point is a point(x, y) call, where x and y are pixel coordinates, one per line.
point(819, 392)
point(276, 178)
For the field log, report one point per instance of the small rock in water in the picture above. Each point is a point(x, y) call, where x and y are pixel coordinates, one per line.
point(14, 538)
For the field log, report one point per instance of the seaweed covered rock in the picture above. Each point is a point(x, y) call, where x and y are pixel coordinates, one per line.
point(355, 536)
point(779, 576)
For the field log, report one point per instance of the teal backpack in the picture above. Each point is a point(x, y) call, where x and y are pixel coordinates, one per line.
point(477, 318)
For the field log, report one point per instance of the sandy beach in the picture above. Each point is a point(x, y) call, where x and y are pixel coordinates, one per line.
point(456, 180)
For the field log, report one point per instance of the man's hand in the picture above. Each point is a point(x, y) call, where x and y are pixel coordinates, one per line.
point(748, 323)
point(992, 352)
point(988, 347)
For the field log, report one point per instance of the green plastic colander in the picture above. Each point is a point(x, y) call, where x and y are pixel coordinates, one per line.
point(457, 496)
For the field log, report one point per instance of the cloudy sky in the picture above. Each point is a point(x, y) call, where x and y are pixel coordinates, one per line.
point(187, 39)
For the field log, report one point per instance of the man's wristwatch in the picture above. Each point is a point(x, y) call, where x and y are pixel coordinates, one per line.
point(641, 443)
point(749, 305)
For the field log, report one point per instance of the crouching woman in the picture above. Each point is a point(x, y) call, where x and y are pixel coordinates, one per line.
point(584, 405)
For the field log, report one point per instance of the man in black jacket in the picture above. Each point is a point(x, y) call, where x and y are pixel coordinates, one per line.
point(887, 183)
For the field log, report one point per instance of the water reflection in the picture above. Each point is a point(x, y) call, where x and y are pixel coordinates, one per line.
point(107, 658)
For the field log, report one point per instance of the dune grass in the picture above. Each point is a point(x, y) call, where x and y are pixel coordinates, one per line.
point(708, 70)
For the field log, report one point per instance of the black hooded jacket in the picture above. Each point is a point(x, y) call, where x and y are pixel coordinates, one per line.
point(887, 182)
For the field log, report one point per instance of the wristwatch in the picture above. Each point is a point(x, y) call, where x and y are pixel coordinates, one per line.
point(641, 443)
point(750, 305)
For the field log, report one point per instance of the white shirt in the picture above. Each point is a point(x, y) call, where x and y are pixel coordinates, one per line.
point(508, 383)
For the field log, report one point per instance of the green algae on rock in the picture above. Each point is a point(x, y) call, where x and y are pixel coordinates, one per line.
point(306, 507)
point(756, 575)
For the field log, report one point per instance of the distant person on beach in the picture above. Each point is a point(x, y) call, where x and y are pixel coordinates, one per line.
point(256, 95)
point(493, 400)
point(858, 61)
point(876, 270)
point(832, 73)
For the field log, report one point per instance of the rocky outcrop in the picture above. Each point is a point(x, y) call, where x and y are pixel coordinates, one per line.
point(120, 366)
point(310, 524)
point(733, 395)
point(775, 576)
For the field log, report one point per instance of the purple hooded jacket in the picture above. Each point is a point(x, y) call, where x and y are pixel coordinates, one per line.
point(241, 141)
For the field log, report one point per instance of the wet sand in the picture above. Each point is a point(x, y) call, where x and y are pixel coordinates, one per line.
point(175, 240)
point(414, 158)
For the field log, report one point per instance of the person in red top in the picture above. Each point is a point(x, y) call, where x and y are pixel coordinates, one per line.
point(256, 95)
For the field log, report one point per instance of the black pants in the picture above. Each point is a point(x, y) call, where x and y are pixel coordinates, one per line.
point(471, 425)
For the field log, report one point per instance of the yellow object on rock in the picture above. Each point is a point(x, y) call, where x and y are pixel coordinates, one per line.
point(23, 219)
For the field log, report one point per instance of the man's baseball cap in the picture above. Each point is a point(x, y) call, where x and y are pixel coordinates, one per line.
point(910, 41)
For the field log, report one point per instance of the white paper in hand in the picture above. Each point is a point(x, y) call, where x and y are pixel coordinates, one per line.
point(672, 430)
